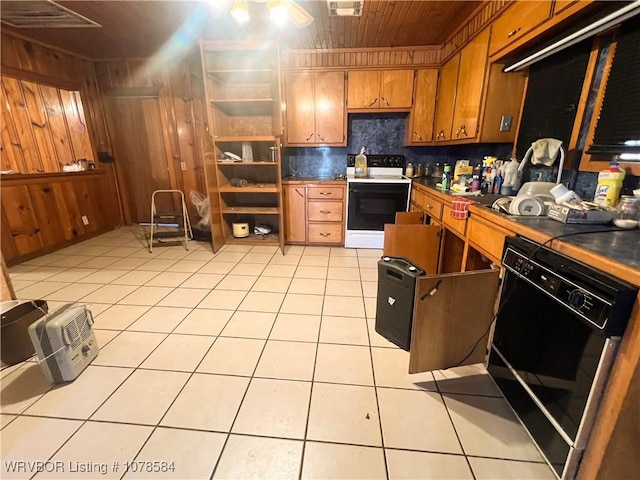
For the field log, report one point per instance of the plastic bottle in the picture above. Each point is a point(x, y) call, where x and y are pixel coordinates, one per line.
point(486, 186)
point(497, 182)
point(476, 178)
point(361, 170)
point(446, 178)
point(609, 185)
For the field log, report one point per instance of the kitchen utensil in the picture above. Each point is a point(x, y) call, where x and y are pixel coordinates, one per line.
point(240, 230)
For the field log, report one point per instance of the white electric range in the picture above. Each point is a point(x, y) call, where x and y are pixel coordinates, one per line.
point(374, 200)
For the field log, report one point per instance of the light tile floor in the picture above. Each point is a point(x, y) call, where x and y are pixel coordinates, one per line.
point(244, 364)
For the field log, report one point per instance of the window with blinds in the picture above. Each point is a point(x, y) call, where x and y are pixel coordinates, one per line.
point(552, 98)
point(618, 128)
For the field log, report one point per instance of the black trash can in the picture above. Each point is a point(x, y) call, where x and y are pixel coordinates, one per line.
point(397, 278)
point(16, 343)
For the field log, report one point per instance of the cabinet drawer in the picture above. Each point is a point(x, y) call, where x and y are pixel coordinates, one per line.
point(325, 233)
point(487, 238)
point(325, 193)
point(431, 206)
point(325, 211)
point(516, 22)
point(454, 224)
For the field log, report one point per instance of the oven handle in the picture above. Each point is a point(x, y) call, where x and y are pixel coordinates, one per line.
point(378, 191)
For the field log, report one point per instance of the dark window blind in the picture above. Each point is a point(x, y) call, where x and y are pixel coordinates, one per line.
point(620, 114)
point(553, 93)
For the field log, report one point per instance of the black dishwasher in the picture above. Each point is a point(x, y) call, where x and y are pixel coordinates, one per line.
point(557, 331)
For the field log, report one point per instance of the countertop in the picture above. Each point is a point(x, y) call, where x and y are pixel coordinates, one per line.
point(612, 249)
point(318, 179)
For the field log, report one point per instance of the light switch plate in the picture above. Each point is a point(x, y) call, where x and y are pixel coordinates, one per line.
point(85, 220)
point(183, 165)
point(505, 123)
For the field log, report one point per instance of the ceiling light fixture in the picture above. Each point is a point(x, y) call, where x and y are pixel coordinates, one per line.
point(278, 12)
point(240, 11)
point(345, 9)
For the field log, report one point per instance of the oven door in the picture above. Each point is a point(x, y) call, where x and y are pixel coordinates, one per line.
point(370, 204)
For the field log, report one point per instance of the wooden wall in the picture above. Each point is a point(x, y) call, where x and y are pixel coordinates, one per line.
point(156, 113)
point(41, 212)
point(43, 127)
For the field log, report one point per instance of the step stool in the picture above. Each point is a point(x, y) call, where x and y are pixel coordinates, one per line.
point(160, 219)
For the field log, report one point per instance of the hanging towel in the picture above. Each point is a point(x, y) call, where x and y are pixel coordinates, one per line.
point(545, 151)
point(460, 208)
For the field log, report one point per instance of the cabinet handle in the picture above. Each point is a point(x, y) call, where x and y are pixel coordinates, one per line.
point(325, 234)
point(298, 192)
point(419, 136)
point(441, 135)
point(325, 193)
point(320, 137)
point(513, 32)
point(325, 211)
point(385, 101)
point(309, 137)
point(372, 102)
point(430, 207)
point(463, 130)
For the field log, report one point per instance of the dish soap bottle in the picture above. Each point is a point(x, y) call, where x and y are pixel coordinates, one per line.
point(361, 164)
point(609, 185)
point(446, 178)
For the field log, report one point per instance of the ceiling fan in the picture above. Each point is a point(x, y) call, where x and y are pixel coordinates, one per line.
point(280, 11)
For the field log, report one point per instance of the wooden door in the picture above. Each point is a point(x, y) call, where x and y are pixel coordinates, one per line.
point(295, 218)
point(330, 118)
point(452, 319)
point(424, 106)
point(446, 99)
point(363, 89)
point(473, 63)
point(396, 89)
point(140, 156)
point(300, 108)
point(417, 243)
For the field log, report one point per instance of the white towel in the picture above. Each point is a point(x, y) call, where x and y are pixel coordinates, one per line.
point(545, 151)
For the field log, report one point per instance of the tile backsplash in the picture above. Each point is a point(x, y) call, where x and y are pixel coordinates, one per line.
point(384, 133)
point(380, 134)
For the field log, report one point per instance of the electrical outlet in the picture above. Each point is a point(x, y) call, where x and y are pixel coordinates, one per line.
point(505, 123)
point(85, 220)
point(183, 165)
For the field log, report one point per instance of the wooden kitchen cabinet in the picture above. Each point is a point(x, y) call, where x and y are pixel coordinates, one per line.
point(518, 20)
point(295, 213)
point(446, 99)
point(420, 121)
point(451, 319)
point(458, 107)
point(471, 75)
point(315, 213)
point(380, 90)
point(315, 108)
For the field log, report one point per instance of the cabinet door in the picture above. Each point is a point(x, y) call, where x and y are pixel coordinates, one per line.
point(363, 89)
point(519, 19)
point(295, 213)
point(446, 99)
point(330, 108)
point(424, 106)
point(417, 243)
point(452, 318)
point(300, 108)
point(396, 89)
point(473, 62)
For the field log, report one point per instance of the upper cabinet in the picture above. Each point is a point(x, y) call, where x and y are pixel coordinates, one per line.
point(420, 123)
point(315, 108)
point(518, 20)
point(471, 76)
point(380, 90)
point(460, 92)
point(476, 101)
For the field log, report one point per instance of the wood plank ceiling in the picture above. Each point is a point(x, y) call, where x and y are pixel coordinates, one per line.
point(137, 29)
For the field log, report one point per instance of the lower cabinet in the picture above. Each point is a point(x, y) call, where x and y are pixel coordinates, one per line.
point(314, 213)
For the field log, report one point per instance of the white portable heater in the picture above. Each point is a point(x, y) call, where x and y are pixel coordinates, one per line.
point(65, 342)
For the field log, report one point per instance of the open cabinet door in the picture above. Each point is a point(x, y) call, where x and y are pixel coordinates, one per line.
point(416, 242)
point(451, 319)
